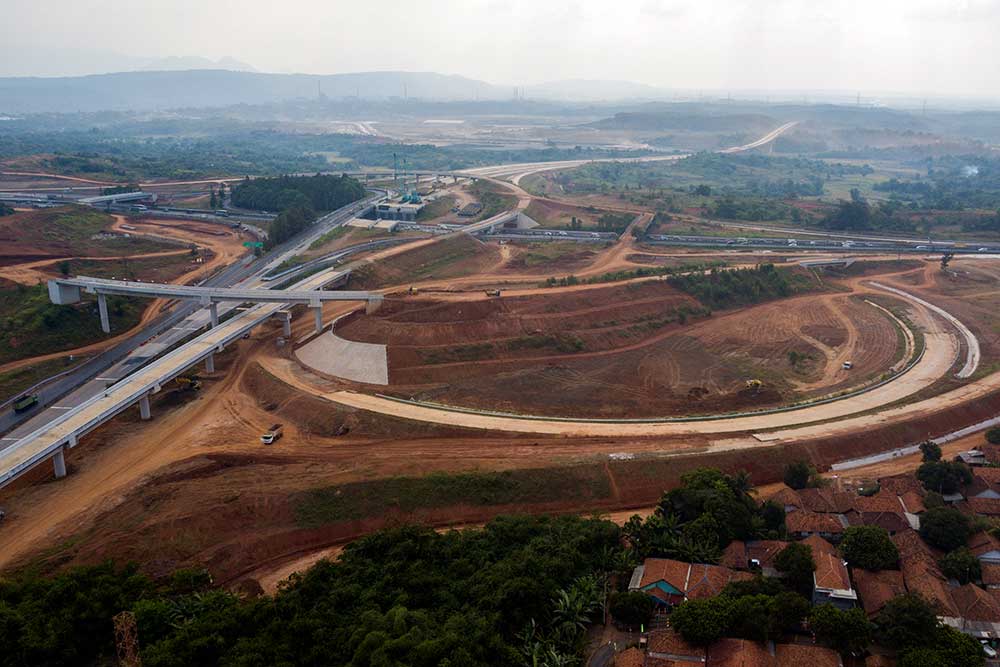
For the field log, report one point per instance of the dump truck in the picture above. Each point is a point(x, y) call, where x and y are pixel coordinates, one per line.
point(25, 403)
point(492, 292)
point(273, 435)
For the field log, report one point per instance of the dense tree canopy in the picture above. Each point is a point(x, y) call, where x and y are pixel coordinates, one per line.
point(944, 476)
point(910, 625)
point(796, 562)
point(759, 610)
point(930, 451)
point(962, 565)
point(409, 596)
point(945, 527)
point(844, 631)
point(799, 474)
point(319, 192)
point(869, 547)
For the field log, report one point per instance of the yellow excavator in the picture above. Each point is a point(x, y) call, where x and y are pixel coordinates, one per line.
point(754, 385)
point(188, 382)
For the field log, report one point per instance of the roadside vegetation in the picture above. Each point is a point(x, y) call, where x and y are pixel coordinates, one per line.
point(406, 494)
point(31, 325)
point(16, 381)
point(298, 198)
point(730, 288)
point(630, 274)
point(494, 198)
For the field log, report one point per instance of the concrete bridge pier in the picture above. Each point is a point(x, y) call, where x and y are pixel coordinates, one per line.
point(102, 307)
point(318, 315)
point(144, 412)
point(286, 323)
point(210, 363)
point(213, 313)
point(372, 305)
point(59, 462)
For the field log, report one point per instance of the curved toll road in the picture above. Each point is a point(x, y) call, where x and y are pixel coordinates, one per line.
point(940, 352)
point(972, 353)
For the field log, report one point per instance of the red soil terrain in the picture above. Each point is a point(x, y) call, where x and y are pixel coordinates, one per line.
point(634, 350)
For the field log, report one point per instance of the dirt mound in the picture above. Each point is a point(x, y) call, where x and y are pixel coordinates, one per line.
point(641, 349)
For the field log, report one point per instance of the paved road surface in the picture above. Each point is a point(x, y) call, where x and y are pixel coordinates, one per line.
point(186, 319)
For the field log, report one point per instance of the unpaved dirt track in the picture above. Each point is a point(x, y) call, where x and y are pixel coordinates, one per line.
point(940, 353)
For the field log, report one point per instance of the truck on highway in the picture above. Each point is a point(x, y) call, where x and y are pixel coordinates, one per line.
point(25, 403)
point(272, 435)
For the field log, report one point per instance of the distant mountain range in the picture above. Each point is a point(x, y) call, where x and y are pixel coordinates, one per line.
point(197, 86)
point(180, 63)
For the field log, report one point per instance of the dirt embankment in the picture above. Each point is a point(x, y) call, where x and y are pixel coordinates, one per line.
point(636, 350)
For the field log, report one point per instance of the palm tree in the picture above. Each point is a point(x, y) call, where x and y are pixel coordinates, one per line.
point(742, 484)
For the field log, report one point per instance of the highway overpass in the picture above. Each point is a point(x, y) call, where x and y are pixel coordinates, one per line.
point(51, 439)
point(64, 291)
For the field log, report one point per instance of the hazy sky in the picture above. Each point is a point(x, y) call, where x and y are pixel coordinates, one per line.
point(922, 46)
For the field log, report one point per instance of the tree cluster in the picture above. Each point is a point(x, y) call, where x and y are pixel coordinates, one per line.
point(319, 192)
point(695, 521)
point(729, 288)
point(945, 528)
point(760, 610)
point(910, 625)
point(519, 591)
point(869, 548)
point(944, 476)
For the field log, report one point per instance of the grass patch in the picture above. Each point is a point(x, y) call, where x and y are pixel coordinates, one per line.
point(16, 381)
point(30, 325)
point(493, 198)
point(438, 208)
point(359, 500)
point(331, 235)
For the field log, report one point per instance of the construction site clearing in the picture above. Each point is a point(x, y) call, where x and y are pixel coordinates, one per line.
point(591, 392)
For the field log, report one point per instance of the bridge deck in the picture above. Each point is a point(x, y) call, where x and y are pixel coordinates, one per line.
point(159, 290)
point(41, 444)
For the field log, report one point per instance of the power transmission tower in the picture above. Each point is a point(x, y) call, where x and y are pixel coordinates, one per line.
point(127, 640)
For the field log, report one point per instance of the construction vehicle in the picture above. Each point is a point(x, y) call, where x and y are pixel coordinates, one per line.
point(273, 435)
point(754, 385)
point(25, 403)
point(189, 382)
point(492, 292)
point(848, 365)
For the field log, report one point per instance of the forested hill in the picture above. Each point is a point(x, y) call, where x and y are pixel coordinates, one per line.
point(319, 192)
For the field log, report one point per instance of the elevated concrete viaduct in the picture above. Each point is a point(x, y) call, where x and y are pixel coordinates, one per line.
point(51, 440)
point(64, 291)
